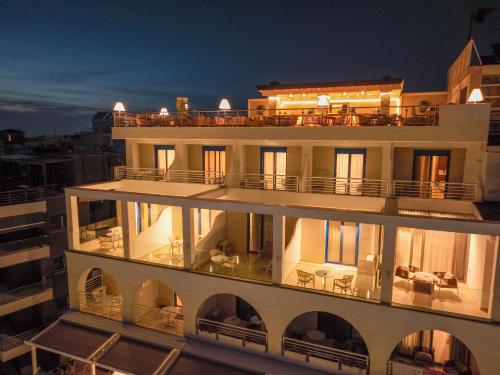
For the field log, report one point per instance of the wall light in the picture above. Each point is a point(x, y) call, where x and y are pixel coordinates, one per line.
point(163, 112)
point(224, 105)
point(119, 107)
point(475, 96)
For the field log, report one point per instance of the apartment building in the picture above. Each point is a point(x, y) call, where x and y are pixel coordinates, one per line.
point(337, 227)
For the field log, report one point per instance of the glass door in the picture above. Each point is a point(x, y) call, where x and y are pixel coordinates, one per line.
point(342, 240)
point(349, 171)
point(164, 156)
point(430, 168)
point(273, 167)
point(260, 232)
point(214, 163)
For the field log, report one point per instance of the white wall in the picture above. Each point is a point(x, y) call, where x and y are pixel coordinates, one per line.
point(292, 251)
point(215, 235)
point(480, 268)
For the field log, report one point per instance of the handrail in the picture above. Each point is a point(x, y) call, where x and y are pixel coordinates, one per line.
point(242, 333)
point(147, 316)
point(395, 367)
point(262, 181)
point(17, 196)
point(149, 174)
point(18, 293)
point(320, 351)
point(334, 116)
point(347, 186)
point(435, 190)
point(23, 245)
point(195, 177)
point(100, 304)
point(10, 342)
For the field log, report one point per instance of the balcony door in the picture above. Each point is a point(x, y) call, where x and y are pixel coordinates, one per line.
point(214, 163)
point(164, 156)
point(273, 167)
point(431, 168)
point(260, 233)
point(342, 240)
point(349, 170)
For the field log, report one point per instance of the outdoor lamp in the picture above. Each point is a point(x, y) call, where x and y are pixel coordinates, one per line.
point(323, 101)
point(224, 105)
point(164, 112)
point(119, 107)
point(475, 96)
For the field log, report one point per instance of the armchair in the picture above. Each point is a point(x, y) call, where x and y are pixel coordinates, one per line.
point(304, 278)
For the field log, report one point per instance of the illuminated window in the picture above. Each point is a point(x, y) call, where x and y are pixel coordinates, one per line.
point(164, 156)
point(273, 167)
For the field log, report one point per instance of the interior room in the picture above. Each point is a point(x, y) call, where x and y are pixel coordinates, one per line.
point(100, 227)
point(157, 306)
point(447, 271)
point(333, 256)
point(156, 233)
point(237, 244)
point(432, 350)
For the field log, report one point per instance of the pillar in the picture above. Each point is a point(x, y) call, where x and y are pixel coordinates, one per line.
point(124, 211)
point(72, 222)
point(278, 247)
point(387, 267)
point(306, 165)
point(495, 285)
point(187, 236)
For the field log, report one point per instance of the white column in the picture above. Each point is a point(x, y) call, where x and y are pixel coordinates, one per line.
point(124, 211)
point(278, 247)
point(72, 222)
point(187, 235)
point(495, 285)
point(387, 267)
point(306, 164)
point(238, 158)
point(387, 165)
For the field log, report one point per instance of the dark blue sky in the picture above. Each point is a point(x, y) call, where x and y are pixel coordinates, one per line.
point(60, 61)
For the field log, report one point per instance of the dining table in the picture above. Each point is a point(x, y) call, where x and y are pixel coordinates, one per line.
point(426, 276)
point(324, 274)
point(315, 335)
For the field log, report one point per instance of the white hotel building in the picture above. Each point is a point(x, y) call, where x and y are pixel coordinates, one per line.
point(343, 227)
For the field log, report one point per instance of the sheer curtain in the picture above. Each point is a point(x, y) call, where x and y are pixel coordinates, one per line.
point(341, 173)
point(438, 251)
point(356, 169)
point(333, 241)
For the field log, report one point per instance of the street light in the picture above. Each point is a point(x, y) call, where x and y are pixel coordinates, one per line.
point(475, 96)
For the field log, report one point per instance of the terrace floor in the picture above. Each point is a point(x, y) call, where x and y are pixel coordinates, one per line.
point(93, 246)
point(164, 256)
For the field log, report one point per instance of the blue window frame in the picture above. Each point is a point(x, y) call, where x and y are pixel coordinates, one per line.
point(161, 147)
point(430, 153)
point(341, 245)
point(138, 216)
point(269, 149)
point(349, 152)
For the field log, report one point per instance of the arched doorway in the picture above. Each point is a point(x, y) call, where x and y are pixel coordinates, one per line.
point(99, 294)
point(232, 320)
point(325, 340)
point(157, 306)
point(433, 351)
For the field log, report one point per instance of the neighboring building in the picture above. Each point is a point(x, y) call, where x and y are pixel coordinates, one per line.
point(12, 139)
point(335, 226)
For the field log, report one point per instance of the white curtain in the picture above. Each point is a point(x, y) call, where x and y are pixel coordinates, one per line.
point(438, 251)
point(341, 173)
point(334, 241)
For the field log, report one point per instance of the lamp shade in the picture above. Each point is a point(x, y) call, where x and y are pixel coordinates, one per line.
point(119, 107)
point(475, 96)
point(224, 105)
point(164, 112)
point(323, 101)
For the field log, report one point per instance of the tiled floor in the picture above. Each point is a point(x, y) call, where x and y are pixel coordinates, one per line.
point(447, 299)
point(164, 256)
point(93, 246)
point(339, 271)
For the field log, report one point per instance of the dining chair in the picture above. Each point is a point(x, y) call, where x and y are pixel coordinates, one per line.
point(230, 263)
point(304, 278)
point(345, 283)
point(446, 281)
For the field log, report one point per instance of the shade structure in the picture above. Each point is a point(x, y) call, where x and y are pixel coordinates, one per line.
point(323, 101)
point(475, 96)
point(163, 112)
point(119, 107)
point(224, 105)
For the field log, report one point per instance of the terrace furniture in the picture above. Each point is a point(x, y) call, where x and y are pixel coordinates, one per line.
point(269, 266)
point(423, 287)
point(454, 366)
point(230, 263)
point(232, 320)
point(406, 272)
point(446, 280)
point(304, 278)
point(324, 274)
point(423, 356)
point(315, 335)
point(105, 243)
point(345, 283)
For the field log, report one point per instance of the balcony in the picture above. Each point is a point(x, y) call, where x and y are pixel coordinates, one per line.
point(347, 186)
point(22, 251)
point(435, 190)
point(291, 117)
point(13, 346)
point(28, 195)
point(23, 297)
point(168, 319)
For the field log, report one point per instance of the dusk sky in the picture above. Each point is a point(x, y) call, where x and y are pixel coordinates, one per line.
point(61, 61)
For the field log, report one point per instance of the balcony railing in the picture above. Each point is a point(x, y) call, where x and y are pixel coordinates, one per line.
point(396, 368)
point(24, 244)
point(18, 196)
point(10, 342)
point(262, 181)
point(347, 116)
point(435, 190)
point(347, 186)
point(160, 319)
point(148, 174)
point(22, 292)
point(342, 357)
point(246, 335)
point(195, 177)
point(100, 304)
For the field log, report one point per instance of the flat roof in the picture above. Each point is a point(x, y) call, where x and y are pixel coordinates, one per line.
point(306, 85)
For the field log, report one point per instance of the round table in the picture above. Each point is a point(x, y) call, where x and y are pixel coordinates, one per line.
point(315, 335)
point(232, 320)
point(426, 276)
point(324, 274)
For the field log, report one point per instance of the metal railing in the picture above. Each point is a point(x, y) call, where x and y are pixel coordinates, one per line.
point(99, 303)
point(10, 342)
point(17, 196)
point(160, 319)
point(23, 245)
point(246, 335)
point(262, 181)
point(195, 177)
point(435, 190)
point(15, 294)
point(396, 368)
point(149, 174)
point(343, 357)
point(341, 116)
point(347, 186)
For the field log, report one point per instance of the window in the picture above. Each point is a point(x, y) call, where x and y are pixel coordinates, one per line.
point(342, 240)
point(260, 232)
point(164, 156)
point(273, 167)
point(214, 162)
point(431, 166)
point(205, 221)
point(349, 170)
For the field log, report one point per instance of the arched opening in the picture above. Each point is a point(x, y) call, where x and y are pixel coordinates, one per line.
point(434, 351)
point(99, 294)
point(157, 306)
point(232, 320)
point(325, 340)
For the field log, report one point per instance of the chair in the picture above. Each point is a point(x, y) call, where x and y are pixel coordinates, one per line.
point(345, 283)
point(230, 263)
point(454, 366)
point(105, 243)
point(269, 266)
point(406, 272)
point(215, 252)
point(446, 281)
point(304, 278)
point(423, 357)
point(423, 287)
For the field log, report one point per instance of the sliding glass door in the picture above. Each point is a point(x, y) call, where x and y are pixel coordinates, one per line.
point(273, 167)
point(164, 156)
point(349, 170)
point(430, 167)
point(260, 233)
point(342, 239)
point(214, 163)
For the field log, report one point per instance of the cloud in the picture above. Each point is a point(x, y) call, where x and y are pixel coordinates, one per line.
point(34, 105)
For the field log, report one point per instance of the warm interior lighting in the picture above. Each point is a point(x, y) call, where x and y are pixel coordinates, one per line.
point(119, 107)
point(475, 96)
point(224, 105)
point(323, 101)
point(164, 112)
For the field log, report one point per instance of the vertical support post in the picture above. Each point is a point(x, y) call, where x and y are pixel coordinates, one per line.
point(125, 229)
point(34, 364)
point(278, 247)
point(387, 267)
point(187, 235)
point(72, 221)
point(306, 165)
point(495, 283)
